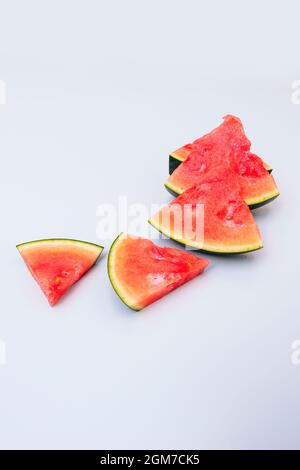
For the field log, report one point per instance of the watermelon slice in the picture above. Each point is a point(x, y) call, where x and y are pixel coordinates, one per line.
point(230, 127)
point(227, 147)
point(258, 187)
point(56, 264)
point(142, 272)
point(212, 217)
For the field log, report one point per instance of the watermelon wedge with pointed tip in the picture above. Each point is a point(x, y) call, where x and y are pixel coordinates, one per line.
point(227, 147)
point(142, 272)
point(56, 264)
point(212, 217)
point(228, 130)
point(257, 185)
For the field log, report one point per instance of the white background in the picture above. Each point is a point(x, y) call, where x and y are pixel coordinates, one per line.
point(98, 93)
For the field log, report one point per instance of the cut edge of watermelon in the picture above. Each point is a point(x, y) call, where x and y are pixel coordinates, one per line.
point(71, 241)
point(252, 203)
point(206, 247)
point(263, 199)
point(175, 159)
point(176, 156)
point(113, 278)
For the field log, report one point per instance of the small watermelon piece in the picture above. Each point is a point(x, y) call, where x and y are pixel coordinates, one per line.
point(142, 272)
point(225, 225)
point(228, 130)
point(56, 264)
point(258, 187)
point(228, 147)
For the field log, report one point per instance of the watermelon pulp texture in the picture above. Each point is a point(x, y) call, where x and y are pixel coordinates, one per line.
point(56, 264)
point(232, 123)
point(142, 272)
point(226, 147)
point(226, 224)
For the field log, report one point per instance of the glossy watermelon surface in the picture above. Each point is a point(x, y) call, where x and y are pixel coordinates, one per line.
point(56, 264)
point(142, 272)
point(226, 147)
point(231, 131)
point(212, 217)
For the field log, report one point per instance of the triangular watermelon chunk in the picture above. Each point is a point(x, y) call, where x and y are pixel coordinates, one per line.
point(228, 131)
point(211, 216)
point(56, 264)
point(142, 272)
point(227, 147)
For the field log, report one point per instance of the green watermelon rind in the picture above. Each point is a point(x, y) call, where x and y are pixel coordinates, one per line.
point(206, 249)
point(175, 161)
point(111, 276)
point(259, 202)
point(66, 240)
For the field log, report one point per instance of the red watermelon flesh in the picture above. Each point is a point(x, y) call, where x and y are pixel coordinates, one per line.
point(142, 272)
point(226, 224)
point(56, 264)
point(230, 133)
point(257, 185)
point(230, 151)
